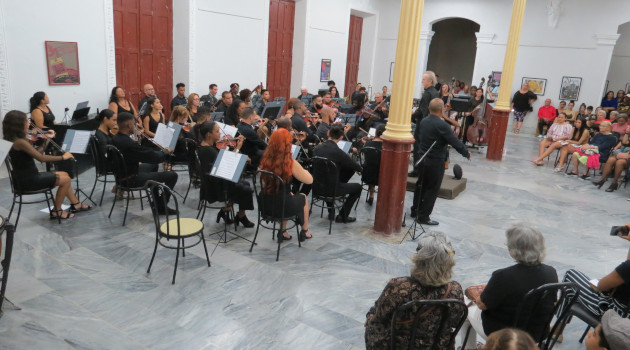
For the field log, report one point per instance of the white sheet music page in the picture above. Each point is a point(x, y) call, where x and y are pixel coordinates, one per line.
point(80, 141)
point(343, 145)
point(372, 132)
point(229, 130)
point(163, 135)
point(227, 166)
point(5, 147)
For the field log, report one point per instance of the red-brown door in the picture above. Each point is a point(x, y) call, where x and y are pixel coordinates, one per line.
point(143, 31)
point(280, 51)
point(354, 52)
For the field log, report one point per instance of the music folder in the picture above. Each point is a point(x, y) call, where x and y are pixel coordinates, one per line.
point(344, 145)
point(166, 135)
point(216, 116)
point(76, 141)
point(227, 130)
point(5, 147)
point(295, 151)
point(229, 165)
point(372, 132)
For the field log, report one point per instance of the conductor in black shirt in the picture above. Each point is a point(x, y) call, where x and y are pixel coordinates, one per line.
point(253, 146)
point(134, 154)
point(428, 82)
point(431, 171)
point(346, 167)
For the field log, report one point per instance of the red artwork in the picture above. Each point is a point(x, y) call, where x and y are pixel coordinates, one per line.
point(62, 60)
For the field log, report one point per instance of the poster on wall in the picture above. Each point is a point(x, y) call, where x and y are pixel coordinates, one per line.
point(496, 78)
point(627, 88)
point(325, 73)
point(391, 72)
point(570, 88)
point(536, 85)
point(62, 60)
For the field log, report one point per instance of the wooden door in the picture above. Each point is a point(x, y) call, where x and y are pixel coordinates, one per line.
point(143, 31)
point(280, 51)
point(354, 52)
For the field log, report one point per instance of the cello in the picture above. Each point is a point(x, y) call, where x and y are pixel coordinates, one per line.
point(477, 133)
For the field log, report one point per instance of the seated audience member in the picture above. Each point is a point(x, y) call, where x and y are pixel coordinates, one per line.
point(596, 151)
point(510, 339)
point(582, 112)
point(546, 116)
point(609, 102)
point(618, 161)
point(579, 136)
point(559, 131)
point(601, 116)
point(620, 95)
point(372, 163)
point(613, 333)
point(278, 160)
point(621, 125)
point(179, 99)
point(571, 114)
point(613, 116)
point(253, 146)
point(589, 110)
point(624, 104)
point(226, 102)
point(203, 115)
point(431, 279)
point(133, 153)
point(495, 308)
point(562, 107)
point(346, 168)
point(601, 298)
point(234, 112)
point(212, 188)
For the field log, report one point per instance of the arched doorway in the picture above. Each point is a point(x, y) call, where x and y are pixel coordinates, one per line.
point(453, 49)
point(618, 74)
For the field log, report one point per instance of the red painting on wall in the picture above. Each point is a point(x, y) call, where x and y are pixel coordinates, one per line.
point(62, 60)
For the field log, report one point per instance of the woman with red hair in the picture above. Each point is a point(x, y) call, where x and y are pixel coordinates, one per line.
point(278, 160)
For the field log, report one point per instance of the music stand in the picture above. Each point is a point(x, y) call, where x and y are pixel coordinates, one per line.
point(415, 223)
point(76, 141)
point(216, 116)
point(346, 108)
point(307, 100)
point(348, 119)
point(81, 111)
point(272, 110)
point(278, 99)
point(460, 104)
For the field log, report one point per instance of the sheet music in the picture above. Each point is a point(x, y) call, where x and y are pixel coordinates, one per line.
point(227, 129)
point(5, 147)
point(344, 145)
point(164, 135)
point(372, 132)
point(295, 150)
point(79, 141)
point(227, 165)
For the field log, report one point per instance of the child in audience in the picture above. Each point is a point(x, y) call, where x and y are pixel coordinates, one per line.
point(613, 333)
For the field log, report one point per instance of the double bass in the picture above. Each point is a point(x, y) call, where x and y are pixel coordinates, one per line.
point(477, 133)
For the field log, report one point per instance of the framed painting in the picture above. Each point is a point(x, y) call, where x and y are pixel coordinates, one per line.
point(496, 78)
point(325, 71)
point(536, 85)
point(62, 60)
point(570, 88)
point(391, 72)
point(627, 88)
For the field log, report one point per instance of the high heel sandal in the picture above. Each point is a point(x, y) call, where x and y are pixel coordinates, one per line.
point(243, 220)
point(599, 183)
point(73, 208)
point(281, 236)
point(303, 236)
point(225, 215)
point(613, 186)
point(58, 214)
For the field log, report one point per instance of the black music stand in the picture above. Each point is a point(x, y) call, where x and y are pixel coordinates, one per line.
point(74, 142)
point(415, 223)
point(217, 116)
point(272, 110)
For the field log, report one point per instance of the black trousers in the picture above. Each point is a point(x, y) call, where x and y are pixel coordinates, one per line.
point(541, 125)
point(169, 178)
point(353, 190)
point(430, 174)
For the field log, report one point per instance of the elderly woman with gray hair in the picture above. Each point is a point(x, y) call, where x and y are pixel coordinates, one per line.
point(430, 279)
point(495, 308)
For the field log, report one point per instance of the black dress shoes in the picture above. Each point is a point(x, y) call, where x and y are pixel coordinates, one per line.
point(413, 174)
point(339, 219)
point(166, 211)
point(428, 222)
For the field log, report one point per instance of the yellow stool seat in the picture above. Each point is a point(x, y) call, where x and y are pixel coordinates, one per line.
point(188, 226)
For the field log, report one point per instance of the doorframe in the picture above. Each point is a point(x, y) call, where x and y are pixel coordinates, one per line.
point(110, 44)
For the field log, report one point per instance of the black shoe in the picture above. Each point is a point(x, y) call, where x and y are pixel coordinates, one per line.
point(167, 211)
point(572, 174)
point(281, 236)
point(340, 219)
point(599, 183)
point(584, 177)
point(613, 186)
point(302, 237)
point(413, 174)
point(225, 215)
point(370, 201)
point(428, 222)
point(244, 221)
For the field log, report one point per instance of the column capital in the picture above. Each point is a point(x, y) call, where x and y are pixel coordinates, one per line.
point(485, 38)
point(606, 39)
point(426, 35)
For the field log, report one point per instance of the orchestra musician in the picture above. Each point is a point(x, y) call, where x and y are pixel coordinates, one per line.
point(225, 102)
point(119, 103)
point(203, 115)
point(234, 89)
point(180, 116)
point(297, 119)
point(246, 95)
point(28, 178)
point(327, 114)
point(259, 107)
point(192, 105)
point(153, 116)
point(372, 163)
point(234, 112)
point(290, 111)
point(278, 160)
point(108, 123)
point(212, 189)
point(428, 81)
point(41, 115)
point(334, 93)
point(149, 92)
point(475, 101)
point(211, 98)
point(317, 105)
point(346, 167)
point(253, 146)
point(180, 98)
point(133, 153)
point(380, 108)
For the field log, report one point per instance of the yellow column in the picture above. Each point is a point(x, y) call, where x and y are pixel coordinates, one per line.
point(511, 52)
point(399, 123)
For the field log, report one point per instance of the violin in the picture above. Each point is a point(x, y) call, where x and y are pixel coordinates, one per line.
point(227, 142)
point(40, 134)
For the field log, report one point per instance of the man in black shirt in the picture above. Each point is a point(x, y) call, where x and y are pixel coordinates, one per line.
point(317, 105)
point(180, 98)
point(380, 108)
point(431, 171)
point(253, 146)
point(149, 92)
point(211, 98)
point(297, 119)
point(346, 167)
point(226, 102)
point(134, 154)
point(428, 82)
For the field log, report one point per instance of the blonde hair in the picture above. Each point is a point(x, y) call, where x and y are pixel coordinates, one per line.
point(178, 112)
point(191, 97)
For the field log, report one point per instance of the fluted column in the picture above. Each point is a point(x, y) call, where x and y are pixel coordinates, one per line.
point(500, 115)
point(397, 139)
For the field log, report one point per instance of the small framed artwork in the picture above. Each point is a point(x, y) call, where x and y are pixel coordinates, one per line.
point(570, 88)
point(325, 72)
point(627, 88)
point(496, 78)
point(62, 60)
point(536, 85)
point(391, 72)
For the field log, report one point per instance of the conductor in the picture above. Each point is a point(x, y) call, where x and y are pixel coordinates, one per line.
point(431, 170)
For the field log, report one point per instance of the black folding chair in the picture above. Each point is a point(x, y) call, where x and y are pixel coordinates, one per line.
point(172, 228)
point(7, 227)
point(275, 212)
point(19, 193)
point(325, 179)
point(124, 181)
point(365, 153)
point(102, 166)
point(407, 317)
point(193, 171)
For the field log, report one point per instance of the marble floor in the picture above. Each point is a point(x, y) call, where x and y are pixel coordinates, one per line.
point(83, 284)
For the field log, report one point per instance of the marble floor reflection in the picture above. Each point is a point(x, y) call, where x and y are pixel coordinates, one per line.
point(83, 284)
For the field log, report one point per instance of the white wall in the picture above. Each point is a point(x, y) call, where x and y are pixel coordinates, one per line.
point(619, 72)
point(22, 42)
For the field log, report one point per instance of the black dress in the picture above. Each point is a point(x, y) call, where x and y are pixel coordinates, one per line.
point(214, 189)
point(122, 109)
point(372, 164)
point(271, 204)
point(49, 118)
point(26, 175)
point(153, 124)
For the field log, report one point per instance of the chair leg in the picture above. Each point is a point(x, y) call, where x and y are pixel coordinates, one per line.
point(126, 209)
point(176, 260)
point(113, 204)
point(584, 334)
point(183, 249)
point(279, 241)
point(466, 337)
point(11, 211)
point(186, 195)
point(94, 186)
point(203, 241)
point(17, 218)
point(153, 256)
point(255, 236)
point(141, 203)
point(52, 199)
point(100, 202)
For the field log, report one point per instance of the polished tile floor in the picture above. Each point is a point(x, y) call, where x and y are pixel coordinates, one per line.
point(83, 284)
